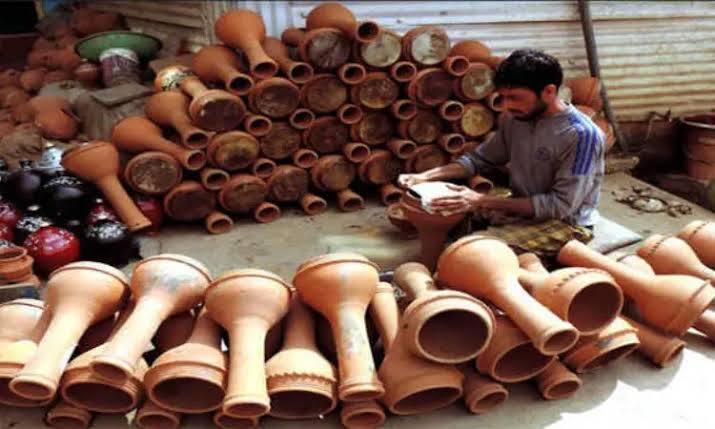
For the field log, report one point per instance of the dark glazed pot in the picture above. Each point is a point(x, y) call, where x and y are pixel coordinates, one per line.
point(109, 242)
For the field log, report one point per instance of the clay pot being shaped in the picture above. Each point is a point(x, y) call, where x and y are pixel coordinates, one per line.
point(557, 382)
point(138, 134)
point(161, 285)
point(340, 286)
point(243, 193)
point(617, 341)
point(659, 348)
point(426, 45)
point(170, 109)
point(243, 29)
point(275, 97)
point(588, 299)
point(152, 416)
point(98, 162)
point(441, 325)
point(362, 414)
point(297, 71)
point(496, 266)
point(335, 15)
point(412, 385)
point(190, 378)
point(671, 303)
point(153, 173)
point(218, 63)
point(233, 150)
point(79, 294)
point(672, 255)
point(481, 394)
point(301, 382)
point(700, 235)
point(247, 303)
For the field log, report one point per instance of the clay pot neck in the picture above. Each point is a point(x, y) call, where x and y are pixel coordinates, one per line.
point(414, 279)
point(300, 327)
point(206, 331)
point(531, 280)
point(383, 309)
point(193, 86)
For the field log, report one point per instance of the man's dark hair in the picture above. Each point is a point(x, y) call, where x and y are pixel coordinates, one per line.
point(529, 68)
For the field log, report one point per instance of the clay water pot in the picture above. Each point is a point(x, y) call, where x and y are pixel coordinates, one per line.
point(362, 414)
point(65, 415)
point(557, 382)
point(451, 110)
point(137, 134)
point(326, 135)
point(380, 53)
point(616, 341)
point(476, 121)
point(390, 194)
point(218, 63)
point(232, 150)
point(325, 48)
point(31, 80)
point(659, 348)
point(588, 299)
point(403, 71)
point(426, 45)
point(263, 168)
point(153, 173)
point(374, 129)
point(424, 127)
point(430, 323)
point(266, 212)
point(152, 416)
point(350, 114)
point(586, 91)
point(700, 235)
point(456, 65)
point(280, 142)
point(190, 378)
point(340, 286)
point(257, 125)
point(275, 97)
point(218, 222)
point(481, 184)
point(324, 93)
point(18, 319)
point(452, 143)
point(247, 303)
point(289, 183)
point(495, 264)
point(356, 152)
point(79, 294)
point(243, 29)
point(332, 173)
point(481, 394)
point(56, 124)
point(15, 267)
point(214, 179)
point(313, 205)
point(352, 73)
point(227, 422)
point(404, 109)
point(98, 162)
point(350, 201)
point(476, 83)
point(170, 109)
point(305, 158)
point(335, 15)
point(672, 255)
point(380, 168)
point(297, 71)
point(412, 385)
point(671, 303)
point(301, 382)
point(376, 91)
point(161, 285)
point(633, 261)
point(174, 331)
point(243, 193)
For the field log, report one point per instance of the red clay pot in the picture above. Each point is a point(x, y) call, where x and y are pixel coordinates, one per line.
point(297, 71)
point(171, 109)
point(244, 29)
point(335, 15)
point(218, 63)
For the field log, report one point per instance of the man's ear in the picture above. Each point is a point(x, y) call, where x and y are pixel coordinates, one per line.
point(549, 92)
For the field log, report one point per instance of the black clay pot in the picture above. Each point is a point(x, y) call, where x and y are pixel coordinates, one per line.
point(22, 186)
point(109, 242)
point(66, 197)
point(32, 220)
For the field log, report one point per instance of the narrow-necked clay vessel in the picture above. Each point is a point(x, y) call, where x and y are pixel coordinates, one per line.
point(171, 109)
point(390, 194)
point(313, 205)
point(274, 97)
point(18, 319)
point(426, 45)
point(356, 152)
point(340, 286)
point(247, 302)
point(617, 341)
point(403, 71)
point(297, 71)
point(214, 179)
point(153, 173)
point(161, 285)
point(557, 382)
point(474, 50)
point(496, 266)
point(218, 222)
point(362, 414)
point(152, 416)
point(352, 73)
point(404, 109)
point(456, 65)
point(335, 15)
point(433, 325)
point(138, 134)
point(350, 201)
point(671, 303)
point(672, 255)
point(511, 357)
point(263, 168)
point(481, 184)
point(412, 385)
point(244, 29)
point(243, 193)
point(481, 394)
point(305, 158)
point(301, 382)
point(190, 378)
point(659, 348)
point(67, 416)
point(219, 63)
point(452, 143)
point(79, 294)
point(257, 125)
point(451, 110)
point(700, 235)
point(267, 212)
point(233, 150)
point(403, 149)
point(189, 201)
point(350, 114)
point(588, 299)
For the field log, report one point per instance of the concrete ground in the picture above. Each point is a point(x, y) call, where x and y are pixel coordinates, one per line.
point(629, 393)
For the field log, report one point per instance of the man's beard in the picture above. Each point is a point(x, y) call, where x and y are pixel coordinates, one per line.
point(536, 112)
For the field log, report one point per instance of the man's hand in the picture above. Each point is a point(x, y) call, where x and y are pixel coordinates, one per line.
point(463, 200)
point(409, 180)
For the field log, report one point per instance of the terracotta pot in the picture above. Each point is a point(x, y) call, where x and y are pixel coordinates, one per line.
point(326, 135)
point(588, 299)
point(214, 179)
point(425, 158)
point(313, 205)
point(335, 15)
point(672, 255)
point(56, 124)
point(481, 184)
point(607, 129)
point(153, 173)
point(586, 91)
point(481, 394)
point(425, 45)
point(476, 83)
point(495, 101)
point(161, 285)
point(403, 71)
point(301, 118)
point(174, 331)
point(661, 303)
point(403, 149)
point(263, 168)
point(305, 158)
point(616, 341)
point(266, 212)
point(659, 348)
point(242, 194)
point(280, 142)
point(257, 125)
point(425, 127)
point(381, 52)
point(15, 264)
point(700, 236)
point(218, 63)
point(396, 216)
point(243, 29)
point(404, 109)
point(362, 414)
point(324, 93)
point(380, 168)
point(456, 65)
point(325, 48)
point(137, 134)
point(376, 91)
point(98, 162)
point(332, 173)
point(350, 114)
point(496, 264)
point(412, 385)
point(350, 201)
point(264, 299)
point(232, 150)
point(474, 50)
point(633, 261)
point(289, 183)
point(189, 201)
point(476, 121)
point(152, 416)
point(23, 113)
point(356, 152)
point(275, 97)
point(87, 74)
point(31, 80)
point(64, 415)
point(14, 96)
point(170, 109)
point(49, 102)
point(297, 72)
point(451, 110)
point(227, 422)
point(18, 319)
point(452, 143)
point(79, 294)
point(38, 57)
point(218, 223)
point(92, 21)
point(557, 382)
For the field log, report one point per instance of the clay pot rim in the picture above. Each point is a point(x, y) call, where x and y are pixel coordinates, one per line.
point(219, 414)
point(67, 410)
point(628, 344)
point(94, 266)
point(169, 371)
point(463, 242)
point(352, 409)
point(250, 272)
point(230, 136)
point(39, 304)
point(193, 263)
point(178, 168)
point(84, 147)
point(14, 253)
point(474, 397)
point(332, 258)
point(156, 411)
point(132, 388)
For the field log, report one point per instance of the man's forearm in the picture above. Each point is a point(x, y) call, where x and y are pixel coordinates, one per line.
point(522, 206)
point(446, 172)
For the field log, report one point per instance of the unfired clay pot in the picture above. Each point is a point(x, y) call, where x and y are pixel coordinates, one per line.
point(301, 382)
point(161, 285)
point(672, 255)
point(557, 382)
point(340, 286)
point(659, 348)
point(171, 109)
point(481, 394)
point(497, 267)
point(700, 235)
point(244, 29)
point(616, 341)
point(247, 302)
point(431, 323)
point(412, 385)
point(297, 71)
point(335, 15)
point(232, 150)
point(219, 63)
point(362, 414)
